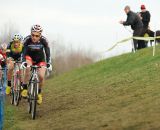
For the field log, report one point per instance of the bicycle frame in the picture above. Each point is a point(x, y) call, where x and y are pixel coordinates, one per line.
point(34, 75)
point(33, 90)
point(16, 84)
point(16, 73)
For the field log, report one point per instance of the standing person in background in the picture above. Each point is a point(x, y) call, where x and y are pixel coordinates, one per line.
point(135, 22)
point(145, 17)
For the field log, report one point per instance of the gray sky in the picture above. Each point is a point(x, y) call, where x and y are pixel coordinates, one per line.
point(90, 24)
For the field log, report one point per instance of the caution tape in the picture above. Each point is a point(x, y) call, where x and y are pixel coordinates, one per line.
point(147, 38)
point(122, 41)
point(136, 38)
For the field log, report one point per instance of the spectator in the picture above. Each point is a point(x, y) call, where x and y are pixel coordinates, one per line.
point(135, 22)
point(145, 17)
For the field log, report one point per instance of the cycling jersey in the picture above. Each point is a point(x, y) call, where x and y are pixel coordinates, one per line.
point(15, 53)
point(3, 60)
point(39, 52)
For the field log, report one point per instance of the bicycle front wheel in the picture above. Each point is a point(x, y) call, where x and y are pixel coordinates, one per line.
point(34, 100)
point(30, 87)
point(17, 90)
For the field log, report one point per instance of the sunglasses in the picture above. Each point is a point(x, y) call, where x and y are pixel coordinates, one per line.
point(16, 42)
point(35, 35)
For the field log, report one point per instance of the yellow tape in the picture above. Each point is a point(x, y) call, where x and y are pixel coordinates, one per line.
point(122, 41)
point(137, 38)
point(125, 40)
point(144, 38)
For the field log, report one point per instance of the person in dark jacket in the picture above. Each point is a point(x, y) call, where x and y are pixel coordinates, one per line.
point(145, 17)
point(135, 22)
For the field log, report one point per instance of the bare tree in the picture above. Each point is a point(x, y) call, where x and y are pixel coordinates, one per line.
point(7, 32)
point(66, 58)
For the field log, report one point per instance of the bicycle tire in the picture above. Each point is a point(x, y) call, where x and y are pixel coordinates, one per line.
point(34, 100)
point(17, 90)
point(12, 96)
point(30, 86)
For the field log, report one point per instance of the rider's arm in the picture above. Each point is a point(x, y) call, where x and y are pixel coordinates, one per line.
point(47, 50)
point(21, 57)
point(25, 49)
point(8, 54)
point(24, 52)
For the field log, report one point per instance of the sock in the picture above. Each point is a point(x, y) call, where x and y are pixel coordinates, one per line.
point(24, 86)
point(9, 83)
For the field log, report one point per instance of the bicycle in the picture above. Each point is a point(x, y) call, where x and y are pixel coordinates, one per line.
point(16, 84)
point(33, 88)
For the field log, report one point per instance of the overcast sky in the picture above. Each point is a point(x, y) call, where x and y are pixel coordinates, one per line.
point(84, 23)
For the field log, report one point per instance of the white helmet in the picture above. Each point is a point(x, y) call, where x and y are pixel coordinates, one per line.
point(17, 37)
point(36, 28)
point(3, 46)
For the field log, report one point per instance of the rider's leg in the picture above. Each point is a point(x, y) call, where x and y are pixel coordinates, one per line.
point(10, 70)
point(41, 74)
point(26, 77)
point(21, 76)
point(9, 75)
point(27, 70)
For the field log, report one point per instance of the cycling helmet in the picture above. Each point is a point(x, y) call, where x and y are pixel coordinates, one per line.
point(17, 37)
point(3, 46)
point(36, 28)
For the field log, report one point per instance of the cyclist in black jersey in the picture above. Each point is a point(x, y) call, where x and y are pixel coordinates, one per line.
point(36, 52)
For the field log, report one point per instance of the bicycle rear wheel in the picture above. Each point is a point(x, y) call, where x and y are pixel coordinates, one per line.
point(12, 95)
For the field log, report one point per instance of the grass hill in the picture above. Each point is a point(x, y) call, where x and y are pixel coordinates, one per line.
point(120, 93)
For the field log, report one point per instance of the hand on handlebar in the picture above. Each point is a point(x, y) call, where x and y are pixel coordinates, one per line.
point(23, 65)
point(49, 66)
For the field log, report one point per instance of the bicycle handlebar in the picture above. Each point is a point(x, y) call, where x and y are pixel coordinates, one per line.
point(36, 67)
point(15, 61)
point(18, 61)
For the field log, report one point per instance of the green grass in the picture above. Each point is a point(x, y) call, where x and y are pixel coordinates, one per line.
point(120, 93)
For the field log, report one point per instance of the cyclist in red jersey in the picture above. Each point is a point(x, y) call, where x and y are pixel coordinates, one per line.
point(3, 65)
point(3, 56)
